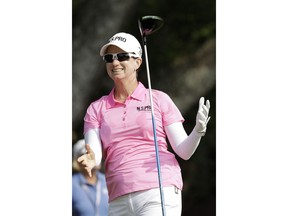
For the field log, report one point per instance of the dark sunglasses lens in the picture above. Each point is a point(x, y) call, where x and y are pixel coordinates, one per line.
point(120, 57)
point(108, 58)
point(123, 56)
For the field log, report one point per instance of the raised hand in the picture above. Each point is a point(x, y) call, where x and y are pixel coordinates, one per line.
point(202, 118)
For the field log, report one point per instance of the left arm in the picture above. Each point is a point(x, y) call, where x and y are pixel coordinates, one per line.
point(183, 145)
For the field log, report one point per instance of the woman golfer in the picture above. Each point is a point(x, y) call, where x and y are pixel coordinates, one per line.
point(118, 127)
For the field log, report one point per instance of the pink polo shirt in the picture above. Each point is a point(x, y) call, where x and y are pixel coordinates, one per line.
point(128, 143)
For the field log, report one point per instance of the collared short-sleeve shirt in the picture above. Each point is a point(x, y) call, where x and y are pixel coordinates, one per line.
point(126, 132)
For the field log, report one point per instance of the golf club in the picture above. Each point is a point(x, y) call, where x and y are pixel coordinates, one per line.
point(147, 26)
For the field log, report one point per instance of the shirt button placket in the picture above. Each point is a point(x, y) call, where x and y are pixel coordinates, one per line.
point(124, 114)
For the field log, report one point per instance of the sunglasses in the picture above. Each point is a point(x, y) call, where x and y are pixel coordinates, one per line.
point(109, 58)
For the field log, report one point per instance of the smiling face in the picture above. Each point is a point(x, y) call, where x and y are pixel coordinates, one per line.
point(120, 70)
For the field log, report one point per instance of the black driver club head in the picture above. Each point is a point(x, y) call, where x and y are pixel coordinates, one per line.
point(149, 24)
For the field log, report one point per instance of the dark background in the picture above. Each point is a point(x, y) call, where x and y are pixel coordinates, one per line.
point(182, 60)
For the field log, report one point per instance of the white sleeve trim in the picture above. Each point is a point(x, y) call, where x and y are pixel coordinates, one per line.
point(92, 137)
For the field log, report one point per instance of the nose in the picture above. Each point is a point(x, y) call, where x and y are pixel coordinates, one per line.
point(115, 61)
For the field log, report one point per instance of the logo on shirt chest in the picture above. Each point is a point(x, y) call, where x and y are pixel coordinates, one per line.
point(144, 108)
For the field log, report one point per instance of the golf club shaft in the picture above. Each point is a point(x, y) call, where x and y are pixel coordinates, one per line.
point(154, 129)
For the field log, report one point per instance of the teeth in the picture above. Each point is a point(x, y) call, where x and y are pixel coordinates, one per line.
point(117, 70)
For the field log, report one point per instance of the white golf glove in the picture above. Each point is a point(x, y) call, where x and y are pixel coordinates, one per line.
point(202, 117)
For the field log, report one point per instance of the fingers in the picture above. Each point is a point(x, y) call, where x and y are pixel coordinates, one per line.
point(208, 104)
point(205, 110)
point(202, 107)
point(208, 120)
point(202, 117)
point(90, 151)
point(201, 102)
point(88, 171)
point(83, 161)
point(87, 161)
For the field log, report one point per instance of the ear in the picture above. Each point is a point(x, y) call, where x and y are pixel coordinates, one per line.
point(138, 62)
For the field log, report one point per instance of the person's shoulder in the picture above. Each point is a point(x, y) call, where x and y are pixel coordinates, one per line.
point(159, 94)
point(157, 91)
point(76, 175)
point(98, 102)
point(101, 99)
